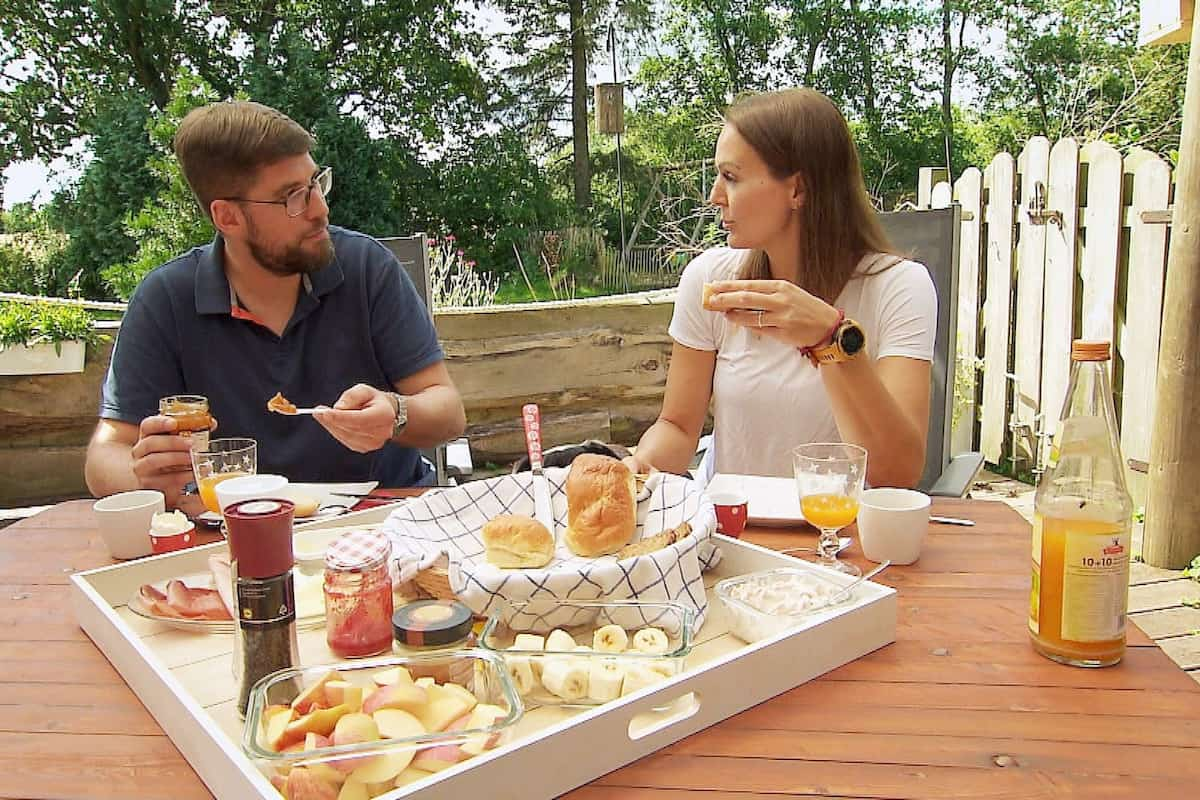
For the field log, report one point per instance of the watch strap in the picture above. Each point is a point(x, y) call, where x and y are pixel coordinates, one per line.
point(401, 419)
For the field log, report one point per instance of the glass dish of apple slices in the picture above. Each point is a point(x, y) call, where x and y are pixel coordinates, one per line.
point(615, 649)
point(363, 727)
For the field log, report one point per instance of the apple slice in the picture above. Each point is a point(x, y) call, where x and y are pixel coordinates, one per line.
point(353, 790)
point(483, 716)
point(315, 693)
point(394, 675)
point(276, 726)
point(425, 682)
point(436, 759)
point(411, 775)
point(304, 784)
point(395, 723)
point(407, 696)
point(322, 721)
point(382, 767)
point(445, 706)
point(343, 693)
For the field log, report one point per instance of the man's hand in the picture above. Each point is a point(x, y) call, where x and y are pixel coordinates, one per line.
point(362, 418)
point(162, 459)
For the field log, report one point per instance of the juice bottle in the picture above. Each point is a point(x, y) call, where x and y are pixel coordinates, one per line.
point(1081, 527)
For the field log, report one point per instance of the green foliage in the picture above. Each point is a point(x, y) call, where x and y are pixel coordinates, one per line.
point(42, 323)
point(454, 279)
point(170, 221)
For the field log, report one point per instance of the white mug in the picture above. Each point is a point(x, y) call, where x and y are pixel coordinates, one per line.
point(892, 524)
point(124, 521)
point(249, 487)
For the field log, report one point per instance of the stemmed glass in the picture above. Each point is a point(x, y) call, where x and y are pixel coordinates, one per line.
point(829, 478)
point(221, 460)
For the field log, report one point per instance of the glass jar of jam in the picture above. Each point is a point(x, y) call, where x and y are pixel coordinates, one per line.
point(192, 419)
point(358, 595)
point(431, 628)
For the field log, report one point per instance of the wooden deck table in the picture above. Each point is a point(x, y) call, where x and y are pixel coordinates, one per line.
point(958, 707)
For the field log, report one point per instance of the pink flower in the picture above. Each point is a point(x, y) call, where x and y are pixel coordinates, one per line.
point(431, 242)
point(460, 253)
point(450, 237)
point(470, 264)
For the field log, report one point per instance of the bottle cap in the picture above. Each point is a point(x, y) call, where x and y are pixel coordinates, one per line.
point(1090, 350)
point(429, 623)
point(260, 536)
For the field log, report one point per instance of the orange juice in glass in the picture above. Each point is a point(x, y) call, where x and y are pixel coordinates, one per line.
point(221, 460)
point(829, 479)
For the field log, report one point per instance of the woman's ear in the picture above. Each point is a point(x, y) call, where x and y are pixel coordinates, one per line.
point(799, 193)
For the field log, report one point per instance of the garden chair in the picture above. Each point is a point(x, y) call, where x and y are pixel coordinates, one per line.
point(451, 461)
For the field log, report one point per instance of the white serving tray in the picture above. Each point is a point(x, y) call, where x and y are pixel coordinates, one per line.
point(186, 682)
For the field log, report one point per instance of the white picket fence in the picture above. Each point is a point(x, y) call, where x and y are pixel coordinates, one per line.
point(1059, 243)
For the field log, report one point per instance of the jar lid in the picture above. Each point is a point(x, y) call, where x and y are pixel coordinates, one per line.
point(429, 623)
point(357, 550)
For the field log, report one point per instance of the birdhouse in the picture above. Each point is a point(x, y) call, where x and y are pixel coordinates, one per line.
point(1165, 21)
point(610, 107)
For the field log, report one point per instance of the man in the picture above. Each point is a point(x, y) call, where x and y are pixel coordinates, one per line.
point(279, 301)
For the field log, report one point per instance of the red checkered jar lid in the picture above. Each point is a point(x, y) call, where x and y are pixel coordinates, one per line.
point(358, 551)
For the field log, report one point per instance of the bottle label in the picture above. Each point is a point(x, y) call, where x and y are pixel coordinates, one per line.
point(1035, 588)
point(1095, 583)
point(267, 601)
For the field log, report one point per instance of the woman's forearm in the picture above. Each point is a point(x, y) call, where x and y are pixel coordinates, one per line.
point(666, 447)
point(868, 415)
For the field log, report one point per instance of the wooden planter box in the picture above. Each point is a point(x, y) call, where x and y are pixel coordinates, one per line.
point(42, 359)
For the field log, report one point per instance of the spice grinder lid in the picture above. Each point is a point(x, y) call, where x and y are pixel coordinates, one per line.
point(260, 537)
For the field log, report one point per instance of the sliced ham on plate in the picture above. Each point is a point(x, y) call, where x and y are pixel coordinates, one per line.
point(181, 601)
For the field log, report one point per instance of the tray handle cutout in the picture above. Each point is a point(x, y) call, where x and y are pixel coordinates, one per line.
point(662, 717)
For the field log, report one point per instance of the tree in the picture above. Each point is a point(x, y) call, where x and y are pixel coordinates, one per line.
point(551, 45)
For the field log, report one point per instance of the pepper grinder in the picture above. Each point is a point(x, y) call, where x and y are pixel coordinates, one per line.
point(260, 546)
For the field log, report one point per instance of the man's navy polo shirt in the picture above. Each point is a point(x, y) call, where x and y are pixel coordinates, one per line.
point(358, 320)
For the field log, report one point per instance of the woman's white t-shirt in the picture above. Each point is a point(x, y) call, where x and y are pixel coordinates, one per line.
point(767, 397)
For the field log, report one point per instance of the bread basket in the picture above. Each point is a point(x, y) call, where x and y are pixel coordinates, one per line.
point(436, 541)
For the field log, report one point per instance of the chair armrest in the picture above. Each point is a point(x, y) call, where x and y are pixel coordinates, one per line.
point(956, 478)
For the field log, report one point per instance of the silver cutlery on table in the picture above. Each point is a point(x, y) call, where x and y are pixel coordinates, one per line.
point(951, 520)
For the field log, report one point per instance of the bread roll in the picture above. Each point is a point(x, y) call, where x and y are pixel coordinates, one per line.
point(601, 505)
point(706, 296)
point(305, 506)
point(516, 542)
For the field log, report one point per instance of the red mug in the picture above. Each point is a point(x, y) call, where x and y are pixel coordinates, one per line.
point(732, 508)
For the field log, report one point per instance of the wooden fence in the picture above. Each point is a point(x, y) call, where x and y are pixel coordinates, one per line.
point(1059, 243)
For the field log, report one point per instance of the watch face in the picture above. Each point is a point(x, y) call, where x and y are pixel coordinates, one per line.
point(852, 339)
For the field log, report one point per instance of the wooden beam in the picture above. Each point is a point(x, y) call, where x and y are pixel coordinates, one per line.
point(1172, 535)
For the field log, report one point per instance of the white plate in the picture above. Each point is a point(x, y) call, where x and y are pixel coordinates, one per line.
point(308, 616)
point(345, 495)
point(773, 501)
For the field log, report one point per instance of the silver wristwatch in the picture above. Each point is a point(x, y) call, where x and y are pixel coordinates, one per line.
point(401, 420)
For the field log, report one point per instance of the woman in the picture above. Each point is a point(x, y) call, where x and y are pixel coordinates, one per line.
point(771, 328)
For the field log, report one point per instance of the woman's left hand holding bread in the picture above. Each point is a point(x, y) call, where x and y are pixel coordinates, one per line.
point(775, 308)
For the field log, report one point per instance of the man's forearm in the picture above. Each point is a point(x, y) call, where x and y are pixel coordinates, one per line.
point(109, 468)
point(435, 415)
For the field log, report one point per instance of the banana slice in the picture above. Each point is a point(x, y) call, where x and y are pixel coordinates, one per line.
point(610, 639)
point(663, 666)
point(560, 640)
point(604, 680)
point(652, 641)
point(529, 641)
point(638, 677)
point(521, 672)
point(566, 677)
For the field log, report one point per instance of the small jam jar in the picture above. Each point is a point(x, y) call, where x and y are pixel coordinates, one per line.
point(191, 415)
point(435, 628)
point(358, 595)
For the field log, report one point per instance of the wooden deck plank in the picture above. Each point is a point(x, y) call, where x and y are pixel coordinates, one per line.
point(1166, 594)
point(1175, 621)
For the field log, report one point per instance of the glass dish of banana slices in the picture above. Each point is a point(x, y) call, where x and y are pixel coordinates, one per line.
point(615, 649)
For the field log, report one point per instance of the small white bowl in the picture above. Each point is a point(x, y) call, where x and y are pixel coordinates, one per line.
point(250, 487)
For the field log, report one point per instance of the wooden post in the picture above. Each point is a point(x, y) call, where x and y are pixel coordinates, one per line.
point(1172, 535)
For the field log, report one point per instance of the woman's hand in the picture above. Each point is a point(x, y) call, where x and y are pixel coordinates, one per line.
point(779, 309)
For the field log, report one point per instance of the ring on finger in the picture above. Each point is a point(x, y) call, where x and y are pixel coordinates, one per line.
point(760, 316)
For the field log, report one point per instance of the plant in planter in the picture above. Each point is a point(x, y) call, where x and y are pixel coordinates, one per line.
point(43, 338)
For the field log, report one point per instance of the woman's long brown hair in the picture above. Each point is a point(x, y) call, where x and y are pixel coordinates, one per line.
point(799, 131)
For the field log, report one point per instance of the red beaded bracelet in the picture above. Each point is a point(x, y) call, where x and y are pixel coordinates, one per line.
point(807, 351)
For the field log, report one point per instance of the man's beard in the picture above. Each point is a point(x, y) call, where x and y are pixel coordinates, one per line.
point(291, 259)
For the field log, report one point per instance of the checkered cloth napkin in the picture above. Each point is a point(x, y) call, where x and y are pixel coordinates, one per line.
point(442, 528)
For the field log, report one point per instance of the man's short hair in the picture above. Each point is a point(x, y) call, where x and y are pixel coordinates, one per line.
point(221, 147)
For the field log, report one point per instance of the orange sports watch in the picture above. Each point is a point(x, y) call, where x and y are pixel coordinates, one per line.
point(847, 340)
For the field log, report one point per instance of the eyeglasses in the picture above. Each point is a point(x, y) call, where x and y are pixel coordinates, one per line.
point(296, 201)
